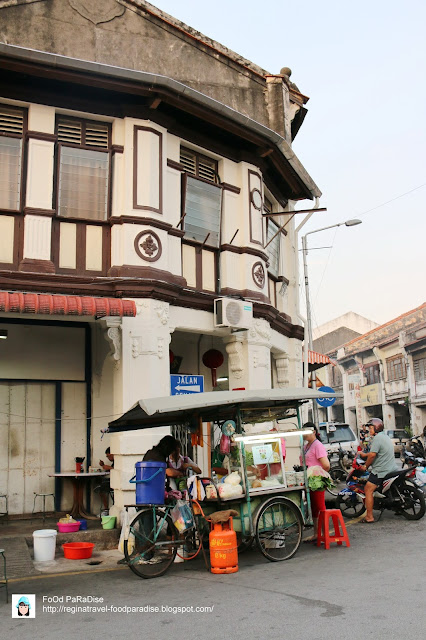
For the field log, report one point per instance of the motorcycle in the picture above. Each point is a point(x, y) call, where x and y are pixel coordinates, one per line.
point(339, 470)
point(398, 493)
point(417, 448)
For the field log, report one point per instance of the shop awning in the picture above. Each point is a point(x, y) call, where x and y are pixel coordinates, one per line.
point(318, 358)
point(47, 304)
point(255, 405)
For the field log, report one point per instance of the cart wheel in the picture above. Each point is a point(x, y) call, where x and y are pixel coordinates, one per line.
point(146, 559)
point(278, 529)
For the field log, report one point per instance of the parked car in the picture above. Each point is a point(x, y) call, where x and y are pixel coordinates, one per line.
point(335, 434)
point(399, 439)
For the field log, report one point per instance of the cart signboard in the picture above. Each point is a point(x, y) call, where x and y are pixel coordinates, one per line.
point(183, 385)
point(263, 454)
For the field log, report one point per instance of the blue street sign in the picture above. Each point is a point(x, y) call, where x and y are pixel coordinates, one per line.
point(182, 385)
point(326, 402)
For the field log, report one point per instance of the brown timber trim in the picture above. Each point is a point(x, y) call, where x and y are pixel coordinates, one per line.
point(136, 129)
point(245, 293)
point(117, 148)
point(36, 266)
point(40, 135)
point(279, 278)
point(150, 222)
point(39, 212)
point(175, 165)
point(146, 273)
point(81, 249)
point(199, 268)
point(230, 187)
point(250, 250)
point(139, 287)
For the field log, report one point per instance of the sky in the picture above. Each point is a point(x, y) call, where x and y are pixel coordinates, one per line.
point(363, 141)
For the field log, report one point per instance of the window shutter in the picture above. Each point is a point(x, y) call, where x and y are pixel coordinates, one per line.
point(97, 135)
point(11, 120)
point(69, 131)
point(207, 170)
point(188, 160)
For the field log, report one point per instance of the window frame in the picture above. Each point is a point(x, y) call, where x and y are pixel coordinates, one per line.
point(417, 369)
point(59, 144)
point(393, 365)
point(23, 138)
point(375, 368)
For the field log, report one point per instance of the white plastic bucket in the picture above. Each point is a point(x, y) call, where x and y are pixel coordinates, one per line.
point(44, 545)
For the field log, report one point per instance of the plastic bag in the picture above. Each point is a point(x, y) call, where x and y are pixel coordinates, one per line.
point(225, 444)
point(233, 478)
point(421, 475)
point(230, 490)
point(126, 517)
point(182, 516)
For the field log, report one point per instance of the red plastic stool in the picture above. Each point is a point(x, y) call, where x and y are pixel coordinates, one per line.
point(340, 533)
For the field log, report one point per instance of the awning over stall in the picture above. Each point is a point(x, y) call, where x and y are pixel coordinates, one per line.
point(47, 304)
point(254, 406)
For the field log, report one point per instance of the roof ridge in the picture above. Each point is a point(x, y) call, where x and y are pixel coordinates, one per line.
point(386, 324)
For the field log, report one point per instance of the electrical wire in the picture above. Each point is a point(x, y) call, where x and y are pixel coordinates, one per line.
point(392, 200)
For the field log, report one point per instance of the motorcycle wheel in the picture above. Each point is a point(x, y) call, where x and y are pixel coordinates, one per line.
point(414, 502)
point(339, 478)
point(352, 507)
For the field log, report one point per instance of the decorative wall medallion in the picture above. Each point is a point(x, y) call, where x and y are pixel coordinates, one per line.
point(148, 246)
point(98, 11)
point(258, 274)
point(256, 199)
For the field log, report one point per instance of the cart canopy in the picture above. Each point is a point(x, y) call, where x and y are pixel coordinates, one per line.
point(252, 406)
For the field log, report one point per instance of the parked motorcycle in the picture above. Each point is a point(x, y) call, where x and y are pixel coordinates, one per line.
point(339, 468)
point(417, 448)
point(398, 494)
point(408, 458)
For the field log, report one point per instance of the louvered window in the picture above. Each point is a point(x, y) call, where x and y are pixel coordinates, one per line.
point(420, 369)
point(273, 248)
point(203, 201)
point(396, 368)
point(84, 163)
point(11, 134)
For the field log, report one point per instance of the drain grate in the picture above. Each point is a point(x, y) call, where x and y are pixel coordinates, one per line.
point(95, 562)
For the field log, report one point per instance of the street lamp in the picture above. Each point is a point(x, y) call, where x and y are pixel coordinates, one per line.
point(308, 339)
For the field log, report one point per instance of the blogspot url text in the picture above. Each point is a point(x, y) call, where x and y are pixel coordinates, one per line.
point(62, 608)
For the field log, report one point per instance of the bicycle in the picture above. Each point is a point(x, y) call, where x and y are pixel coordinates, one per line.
point(153, 541)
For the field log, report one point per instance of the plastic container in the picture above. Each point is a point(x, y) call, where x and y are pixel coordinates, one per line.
point(300, 478)
point(83, 524)
point(290, 477)
point(150, 480)
point(78, 550)
point(68, 527)
point(108, 522)
point(44, 545)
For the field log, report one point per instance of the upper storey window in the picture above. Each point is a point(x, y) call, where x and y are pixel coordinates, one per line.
point(84, 168)
point(11, 139)
point(273, 240)
point(203, 198)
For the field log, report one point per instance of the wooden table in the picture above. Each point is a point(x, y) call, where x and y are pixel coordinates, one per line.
point(79, 481)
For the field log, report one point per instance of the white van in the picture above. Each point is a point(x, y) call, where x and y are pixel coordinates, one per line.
point(335, 434)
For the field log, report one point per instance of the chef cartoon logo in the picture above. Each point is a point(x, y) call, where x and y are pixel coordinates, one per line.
point(23, 606)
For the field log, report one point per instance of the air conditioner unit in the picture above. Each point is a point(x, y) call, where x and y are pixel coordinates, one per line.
point(236, 314)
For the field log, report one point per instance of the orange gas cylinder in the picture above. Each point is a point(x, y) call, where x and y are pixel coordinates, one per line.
point(223, 548)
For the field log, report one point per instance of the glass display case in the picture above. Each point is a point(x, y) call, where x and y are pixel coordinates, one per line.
point(265, 465)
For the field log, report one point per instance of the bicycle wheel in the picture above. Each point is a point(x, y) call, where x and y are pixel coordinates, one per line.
point(151, 546)
point(351, 505)
point(278, 529)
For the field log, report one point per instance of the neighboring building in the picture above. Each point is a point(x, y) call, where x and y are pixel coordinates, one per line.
point(139, 160)
point(383, 373)
point(327, 339)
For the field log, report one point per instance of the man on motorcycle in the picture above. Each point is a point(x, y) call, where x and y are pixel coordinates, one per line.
point(381, 457)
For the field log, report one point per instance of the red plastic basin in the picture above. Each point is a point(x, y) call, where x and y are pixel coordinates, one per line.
point(78, 550)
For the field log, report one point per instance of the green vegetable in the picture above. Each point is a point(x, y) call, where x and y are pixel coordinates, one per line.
point(319, 483)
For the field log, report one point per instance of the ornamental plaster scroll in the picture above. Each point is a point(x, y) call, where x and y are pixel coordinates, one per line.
point(113, 336)
point(235, 358)
point(97, 11)
point(162, 310)
point(141, 305)
point(260, 332)
point(282, 365)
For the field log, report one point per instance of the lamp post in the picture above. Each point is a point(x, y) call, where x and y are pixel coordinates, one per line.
point(308, 338)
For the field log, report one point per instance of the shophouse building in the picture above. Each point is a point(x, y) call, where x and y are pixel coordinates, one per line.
point(140, 165)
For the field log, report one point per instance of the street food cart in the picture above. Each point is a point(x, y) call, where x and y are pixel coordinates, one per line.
point(272, 509)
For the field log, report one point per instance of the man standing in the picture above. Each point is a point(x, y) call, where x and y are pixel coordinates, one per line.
point(381, 457)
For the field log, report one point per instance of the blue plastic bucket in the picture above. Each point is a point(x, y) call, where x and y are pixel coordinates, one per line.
point(150, 480)
point(83, 524)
